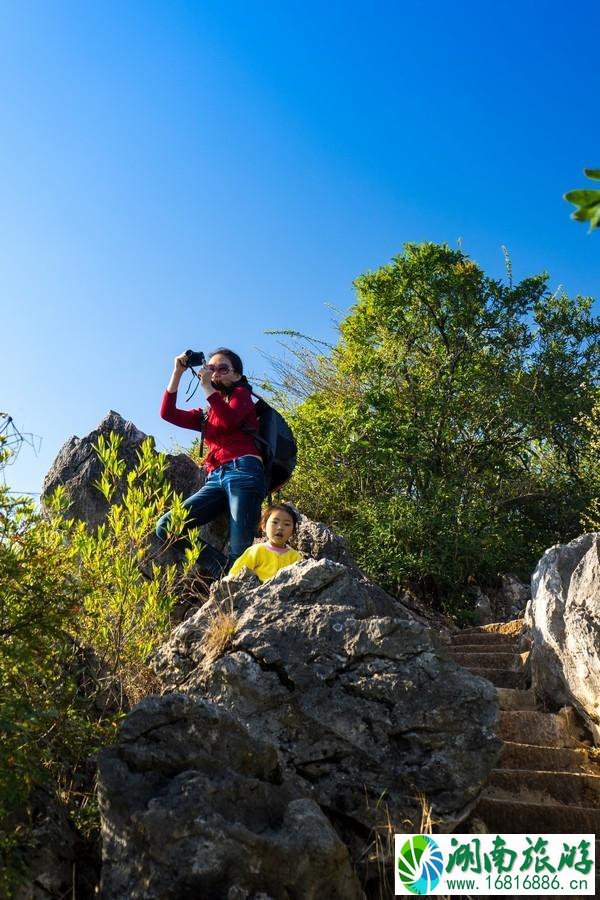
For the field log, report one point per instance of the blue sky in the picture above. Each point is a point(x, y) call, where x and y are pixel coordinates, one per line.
point(179, 174)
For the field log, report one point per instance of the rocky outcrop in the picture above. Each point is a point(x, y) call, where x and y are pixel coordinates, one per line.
point(504, 603)
point(193, 805)
point(511, 600)
point(315, 540)
point(330, 679)
point(77, 469)
point(563, 618)
point(303, 721)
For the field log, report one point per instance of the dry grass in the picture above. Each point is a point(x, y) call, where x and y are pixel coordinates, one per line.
point(219, 633)
point(427, 819)
point(379, 854)
point(139, 683)
point(428, 822)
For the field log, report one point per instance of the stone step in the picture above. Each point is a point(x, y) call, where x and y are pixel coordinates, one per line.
point(484, 637)
point(526, 726)
point(487, 647)
point(513, 817)
point(567, 788)
point(499, 677)
point(511, 628)
point(546, 759)
point(508, 661)
point(511, 698)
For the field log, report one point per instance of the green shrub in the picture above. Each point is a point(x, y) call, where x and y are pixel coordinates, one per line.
point(80, 614)
point(46, 729)
point(128, 594)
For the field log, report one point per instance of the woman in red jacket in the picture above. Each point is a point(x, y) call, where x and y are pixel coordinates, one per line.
point(235, 474)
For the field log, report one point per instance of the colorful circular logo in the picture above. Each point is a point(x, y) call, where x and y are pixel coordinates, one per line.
point(420, 864)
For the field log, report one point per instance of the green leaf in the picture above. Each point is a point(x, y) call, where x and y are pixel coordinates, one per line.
point(583, 197)
point(595, 219)
point(593, 173)
point(583, 214)
point(589, 206)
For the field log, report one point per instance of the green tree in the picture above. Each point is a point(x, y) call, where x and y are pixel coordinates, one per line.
point(442, 432)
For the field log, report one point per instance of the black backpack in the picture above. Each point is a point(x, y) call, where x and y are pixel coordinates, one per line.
point(275, 442)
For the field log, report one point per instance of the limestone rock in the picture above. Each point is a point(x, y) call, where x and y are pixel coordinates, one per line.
point(351, 690)
point(316, 540)
point(563, 618)
point(193, 805)
point(512, 599)
point(77, 469)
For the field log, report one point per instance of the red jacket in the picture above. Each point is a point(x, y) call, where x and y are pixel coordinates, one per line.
point(222, 432)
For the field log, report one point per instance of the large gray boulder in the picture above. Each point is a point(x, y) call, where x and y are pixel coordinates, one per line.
point(194, 806)
point(330, 714)
point(563, 618)
point(350, 688)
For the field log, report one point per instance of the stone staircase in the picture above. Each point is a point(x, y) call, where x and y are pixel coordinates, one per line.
point(548, 775)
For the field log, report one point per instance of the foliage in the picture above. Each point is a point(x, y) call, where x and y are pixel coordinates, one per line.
point(590, 467)
point(129, 595)
point(45, 725)
point(442, 434)
point(80, 614)
point(587, 201)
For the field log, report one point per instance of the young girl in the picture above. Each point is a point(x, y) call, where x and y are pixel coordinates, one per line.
point(279, 522)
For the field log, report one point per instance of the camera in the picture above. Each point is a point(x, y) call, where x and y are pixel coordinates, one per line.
point(195, 357)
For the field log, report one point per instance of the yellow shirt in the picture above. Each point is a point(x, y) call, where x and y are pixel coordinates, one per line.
point(263, 561)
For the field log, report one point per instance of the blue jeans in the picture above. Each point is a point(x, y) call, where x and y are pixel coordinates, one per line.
point(238, 486)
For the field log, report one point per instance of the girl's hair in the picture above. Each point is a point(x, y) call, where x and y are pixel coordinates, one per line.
point(236, 363)
point(283, 507)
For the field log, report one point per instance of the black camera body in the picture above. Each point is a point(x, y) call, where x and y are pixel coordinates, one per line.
point(195, 357)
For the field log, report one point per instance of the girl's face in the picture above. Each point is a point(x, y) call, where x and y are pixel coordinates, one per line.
point(222, 370)
point(279, 527)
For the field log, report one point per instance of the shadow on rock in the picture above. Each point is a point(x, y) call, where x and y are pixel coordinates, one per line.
point(343, 702)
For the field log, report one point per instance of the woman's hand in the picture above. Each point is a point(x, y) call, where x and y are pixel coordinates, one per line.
point(205, 376)
point(179, 367)
point(180, 363)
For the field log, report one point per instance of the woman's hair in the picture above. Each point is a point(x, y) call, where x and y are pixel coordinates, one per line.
point(283, 507)
point(236, 363)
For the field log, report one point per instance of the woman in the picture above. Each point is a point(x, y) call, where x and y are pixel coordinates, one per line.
point(235, 475)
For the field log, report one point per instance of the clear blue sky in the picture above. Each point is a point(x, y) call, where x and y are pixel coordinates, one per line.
point(183, 175)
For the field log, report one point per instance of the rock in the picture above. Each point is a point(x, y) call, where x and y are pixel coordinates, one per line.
point(193, 805)
point(563, 618)
point(365, 712)
point(56, 861)
point(482, 606)
point(317, 541)
point(511, 600)
point(77, 468)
